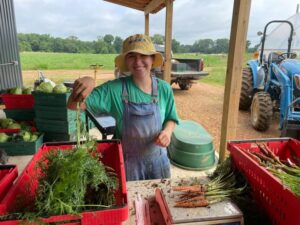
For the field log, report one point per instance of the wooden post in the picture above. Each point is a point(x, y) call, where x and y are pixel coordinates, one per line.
point(168, 41)
point(147, 24)
point(237, 46)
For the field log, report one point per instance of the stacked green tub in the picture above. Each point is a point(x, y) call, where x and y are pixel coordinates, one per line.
point(191, 147)
point(53, 118)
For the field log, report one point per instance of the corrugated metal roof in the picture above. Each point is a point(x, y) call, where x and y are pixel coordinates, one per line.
point(149, 6)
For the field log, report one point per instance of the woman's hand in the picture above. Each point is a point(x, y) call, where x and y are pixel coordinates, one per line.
point(81, 90)
point(164, 137)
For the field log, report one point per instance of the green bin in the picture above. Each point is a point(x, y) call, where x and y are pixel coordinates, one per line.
point(22, 148)
point(191, 147)
point(50, 99)
point(54, 113)
point(20, 114)
point(54, 137)
point(56, 126)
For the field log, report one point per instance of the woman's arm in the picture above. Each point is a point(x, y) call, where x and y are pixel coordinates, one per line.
point(164, 137)
point(81, 90)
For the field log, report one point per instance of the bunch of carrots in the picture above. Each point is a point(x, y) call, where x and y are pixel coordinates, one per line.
point(223, 185)
point(287, 171)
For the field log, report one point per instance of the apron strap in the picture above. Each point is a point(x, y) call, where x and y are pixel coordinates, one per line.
point(154, 89)
point(124, 90)
point(154, 93)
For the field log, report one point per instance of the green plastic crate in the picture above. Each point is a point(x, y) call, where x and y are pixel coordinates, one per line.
point(53, 137)
point(50, 99)
point(54, 113)
point(22, 148)
point(58, 126)
point(20, 114)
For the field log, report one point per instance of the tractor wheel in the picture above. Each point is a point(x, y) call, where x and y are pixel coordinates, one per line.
point(261, 111)
point(184, 85)
point(246, 89)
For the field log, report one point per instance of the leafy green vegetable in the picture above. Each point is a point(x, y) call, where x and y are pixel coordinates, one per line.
point(27, 90)
point(60, 89)
point(14, 126)
point(45, 87)
point(3, 137)
point(66, 176)
point(4, 123)
point(16, 91)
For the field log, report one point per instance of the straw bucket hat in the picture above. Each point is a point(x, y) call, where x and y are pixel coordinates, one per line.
point(138, 43)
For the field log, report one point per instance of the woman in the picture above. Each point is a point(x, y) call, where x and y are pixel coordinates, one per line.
point(142, 105)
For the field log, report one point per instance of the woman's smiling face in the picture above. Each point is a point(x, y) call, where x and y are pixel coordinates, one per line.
point(139, 64)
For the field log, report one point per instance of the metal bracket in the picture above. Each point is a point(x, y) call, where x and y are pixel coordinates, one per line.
point(14, 63)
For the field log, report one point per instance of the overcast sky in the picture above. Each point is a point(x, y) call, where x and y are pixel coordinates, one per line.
point(192, 19)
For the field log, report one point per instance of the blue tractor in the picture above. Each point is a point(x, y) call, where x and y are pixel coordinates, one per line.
point(272, 83)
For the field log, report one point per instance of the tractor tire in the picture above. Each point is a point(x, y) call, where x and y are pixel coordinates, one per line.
point(184, 85)
point(246, 89)
point(261, 111)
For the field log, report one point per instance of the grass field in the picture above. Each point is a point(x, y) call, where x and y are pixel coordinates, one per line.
point(214, 64)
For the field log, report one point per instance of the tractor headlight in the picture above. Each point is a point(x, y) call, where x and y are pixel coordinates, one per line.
point(260, 78)
point(297, 81)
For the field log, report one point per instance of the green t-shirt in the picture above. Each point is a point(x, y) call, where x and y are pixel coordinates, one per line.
point(107, 98)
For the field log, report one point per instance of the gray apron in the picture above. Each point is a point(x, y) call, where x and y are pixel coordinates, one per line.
point(141, 125)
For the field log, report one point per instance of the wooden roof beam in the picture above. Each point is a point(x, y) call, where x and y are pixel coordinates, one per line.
point(132, 4)
point(153, 5)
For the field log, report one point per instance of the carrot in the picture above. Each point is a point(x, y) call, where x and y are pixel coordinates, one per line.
point(269, 152)
point(263, 157)
point(195, 198)
point(194, 188)
point(189, 195)
point(192, 204)
point(253, 156)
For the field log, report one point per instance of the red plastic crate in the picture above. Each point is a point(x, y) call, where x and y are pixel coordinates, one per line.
point(26, 185)
point(24, 101)
point(281, 204)
point(8, 173)
point(11, 131)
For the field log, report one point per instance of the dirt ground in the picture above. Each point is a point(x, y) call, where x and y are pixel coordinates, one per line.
point(203, 103)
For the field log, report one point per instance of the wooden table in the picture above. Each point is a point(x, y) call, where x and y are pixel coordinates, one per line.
point(221, 213)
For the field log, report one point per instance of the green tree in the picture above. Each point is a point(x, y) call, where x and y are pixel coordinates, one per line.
point(175, 46)
point(24, 47)
point(58, 45)
point(221, 45)
point(101, 47)
point(108, 38)
point(204, 46)
point(158, 39)
point(118, 44)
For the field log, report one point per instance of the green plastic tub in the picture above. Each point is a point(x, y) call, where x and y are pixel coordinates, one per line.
point(20, 114)
point(56, 126)
point(54, 113)
point(22, 148)
point(50, 99)
point(191, 147)
point(54, 137)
